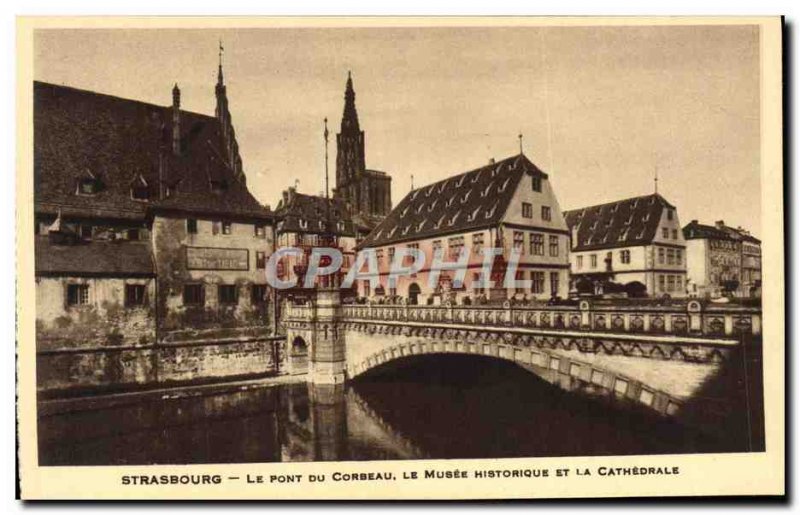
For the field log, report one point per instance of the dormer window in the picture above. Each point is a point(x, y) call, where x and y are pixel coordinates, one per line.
point(490, 213)
point(218, 186)
point(433, 205)
point(391, 233)
point(140, 190)
point(466, 197)
point(439, 222)
point(476, 177)
point(503, 187)
point(474, 214)
point(460, 181)
point(455, 218)
point(486, 190)
point(421, 225)
point(303, 224)
point(88, 184)
point(429, 192)
point(536, 183)
point(420, 207)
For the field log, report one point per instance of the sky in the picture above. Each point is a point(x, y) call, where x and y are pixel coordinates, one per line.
point(601, 109)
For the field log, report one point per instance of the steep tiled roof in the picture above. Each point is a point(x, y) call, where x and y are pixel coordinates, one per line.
point(624, 223)
point(109, 258)
point(464, 202)
point(308, 213)
point(694, 231)
point(81, 134)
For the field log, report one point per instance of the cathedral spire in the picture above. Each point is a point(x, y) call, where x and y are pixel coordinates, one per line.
point(350, 116)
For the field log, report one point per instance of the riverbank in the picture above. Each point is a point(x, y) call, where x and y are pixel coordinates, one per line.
point(53, 406)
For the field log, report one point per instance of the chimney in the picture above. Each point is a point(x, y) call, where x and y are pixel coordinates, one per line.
point(720, 224)
point(176, 120)
point(491, 160)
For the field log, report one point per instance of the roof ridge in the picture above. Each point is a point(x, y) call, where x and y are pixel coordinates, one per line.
point(115, 97)
point(574, 210)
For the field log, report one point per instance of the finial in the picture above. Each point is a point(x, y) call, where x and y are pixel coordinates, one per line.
point(655, 179)
point(327, 191)
point(412, 182)
point(520, 143)
point(221, 50)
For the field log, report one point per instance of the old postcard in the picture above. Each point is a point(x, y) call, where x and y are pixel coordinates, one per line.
point(400, 258)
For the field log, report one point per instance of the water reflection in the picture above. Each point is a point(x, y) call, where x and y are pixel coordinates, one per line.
point(466, 407)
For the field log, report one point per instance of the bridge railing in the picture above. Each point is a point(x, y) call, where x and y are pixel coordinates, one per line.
point(693, 318)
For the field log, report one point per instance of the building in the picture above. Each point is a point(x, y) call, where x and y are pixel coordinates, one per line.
point(507, 204)
point(635, 242)
point(309, 221)
point(368, 193)
point(145, 227)
point(722, 260)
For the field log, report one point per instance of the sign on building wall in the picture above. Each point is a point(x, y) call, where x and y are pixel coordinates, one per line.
point(209, 258)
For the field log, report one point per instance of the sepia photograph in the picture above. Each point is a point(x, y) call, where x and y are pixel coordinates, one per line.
point(291, 242)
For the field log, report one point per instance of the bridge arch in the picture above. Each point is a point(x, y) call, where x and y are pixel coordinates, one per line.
point(549, 364)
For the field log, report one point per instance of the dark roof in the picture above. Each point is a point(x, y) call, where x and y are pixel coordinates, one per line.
point(464, 202)
point(624, 223)
point(110, 258)
point(696, 231)
point(81, 134)
point(313, 211)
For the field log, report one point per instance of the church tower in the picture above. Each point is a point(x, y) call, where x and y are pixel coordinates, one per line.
point(223, 116)
point(350, 162)
point(367, 192)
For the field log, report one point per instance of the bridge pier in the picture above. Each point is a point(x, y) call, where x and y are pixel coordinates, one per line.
point(321, 333)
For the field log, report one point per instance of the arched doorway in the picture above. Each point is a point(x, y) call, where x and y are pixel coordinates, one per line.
point(413, 293)
point(298, 356)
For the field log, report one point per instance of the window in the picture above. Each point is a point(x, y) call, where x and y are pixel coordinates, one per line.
point(77, 294)
point(260, 231)
point(227, 294)
point(88, 186)
point(661, 286)
point(669, 214)
point(537, 244)
point(134, 295)
point(476, 277)
point(554, 284)
point(261, 260)
point(391, 254)
point(86, 232)
point(537, 282)
point(678, 256)
point(536, 183)
point(670, 283)
point(625, 256)
point(258, 294)
point(519, 276)
point(664, 232)
point(593, 260)
point(477, 242)
point(553, 245)
point(678, 283)
point(454, 246)
point(546, 215)
point(579, 262)
point(674, 234)
point(140, 192)
point(527, 210)
point(660, 256)
point(437, 244)
point(194, 295)
point(215, 227)
point(670, 256)
point(191, 226)
point(226, 228)
point(519, 240)
point(133, 234)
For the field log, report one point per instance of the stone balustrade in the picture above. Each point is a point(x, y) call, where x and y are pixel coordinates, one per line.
point(692, 318)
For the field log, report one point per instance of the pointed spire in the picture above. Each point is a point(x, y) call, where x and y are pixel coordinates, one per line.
point(350, 116)
point(220, 79)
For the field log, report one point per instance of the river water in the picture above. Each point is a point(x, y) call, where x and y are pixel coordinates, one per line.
point(451, 407)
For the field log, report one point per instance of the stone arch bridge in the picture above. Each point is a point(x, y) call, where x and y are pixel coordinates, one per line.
point(658, 357)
